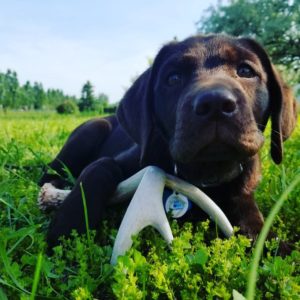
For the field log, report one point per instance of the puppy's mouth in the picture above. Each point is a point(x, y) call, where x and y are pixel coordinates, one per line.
point(217, 152)
point(209, 174)
point(214, 165)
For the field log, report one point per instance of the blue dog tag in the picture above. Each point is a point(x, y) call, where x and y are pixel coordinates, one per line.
point(176, 203)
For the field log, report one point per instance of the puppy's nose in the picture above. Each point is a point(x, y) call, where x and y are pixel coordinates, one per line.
point(215, 102)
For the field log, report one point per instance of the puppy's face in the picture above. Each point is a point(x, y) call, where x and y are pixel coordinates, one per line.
point(210, 98)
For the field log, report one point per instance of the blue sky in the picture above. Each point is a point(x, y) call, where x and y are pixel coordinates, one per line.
point(64, 43)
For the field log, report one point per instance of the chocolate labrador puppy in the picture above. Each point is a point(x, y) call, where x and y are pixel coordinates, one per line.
point(202, 106)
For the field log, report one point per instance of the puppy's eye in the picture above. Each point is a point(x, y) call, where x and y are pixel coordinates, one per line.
point(174, 79)
point(244, 70)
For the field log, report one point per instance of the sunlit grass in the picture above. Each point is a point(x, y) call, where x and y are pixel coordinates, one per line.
point(199, 266)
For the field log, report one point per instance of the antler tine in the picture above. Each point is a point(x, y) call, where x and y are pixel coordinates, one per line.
point(50, 196)
point(202, 200)
point(146, 208)
point(126, 188)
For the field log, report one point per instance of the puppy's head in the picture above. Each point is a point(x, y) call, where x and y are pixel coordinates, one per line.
point(208, 99)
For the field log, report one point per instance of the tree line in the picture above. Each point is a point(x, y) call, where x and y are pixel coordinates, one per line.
point(32, 96)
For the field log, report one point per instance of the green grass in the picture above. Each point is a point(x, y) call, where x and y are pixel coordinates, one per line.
point(263, 236)
point(199, 266)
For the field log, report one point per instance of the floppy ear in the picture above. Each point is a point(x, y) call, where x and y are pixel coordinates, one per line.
point(289, 108)
point(282, 105)
point(135, 112)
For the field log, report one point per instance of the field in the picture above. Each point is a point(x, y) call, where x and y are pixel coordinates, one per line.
point(200, 265)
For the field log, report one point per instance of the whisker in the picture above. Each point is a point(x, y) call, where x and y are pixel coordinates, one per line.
point(297, 126)
point(275, 145)
point(272, 130)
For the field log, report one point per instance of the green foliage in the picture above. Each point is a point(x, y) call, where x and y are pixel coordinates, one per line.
point(102, 100)
point(263, 237)
point(25, 97)
point(191, 269)
point(199, 264)
point(87, 100)
point(8, 89)
point(38, 96)
point(275, 274)
point(276, 24)
point(67, 107)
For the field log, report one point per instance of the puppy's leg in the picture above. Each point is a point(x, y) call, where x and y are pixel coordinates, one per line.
point(242, 209)
point(248, 217)
point(99, 181)
point(250, 220)
point(80, 150)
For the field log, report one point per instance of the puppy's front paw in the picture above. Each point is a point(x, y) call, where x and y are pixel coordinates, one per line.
point(251, 226)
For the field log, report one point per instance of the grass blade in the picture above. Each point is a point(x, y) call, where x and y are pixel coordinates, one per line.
point(36, 278)
point(252, 278)
point(86, 217)
point(17, 211)
point(2, 295)
point(9, 270)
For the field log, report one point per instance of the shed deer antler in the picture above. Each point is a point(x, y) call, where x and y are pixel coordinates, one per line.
point(146, 207)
